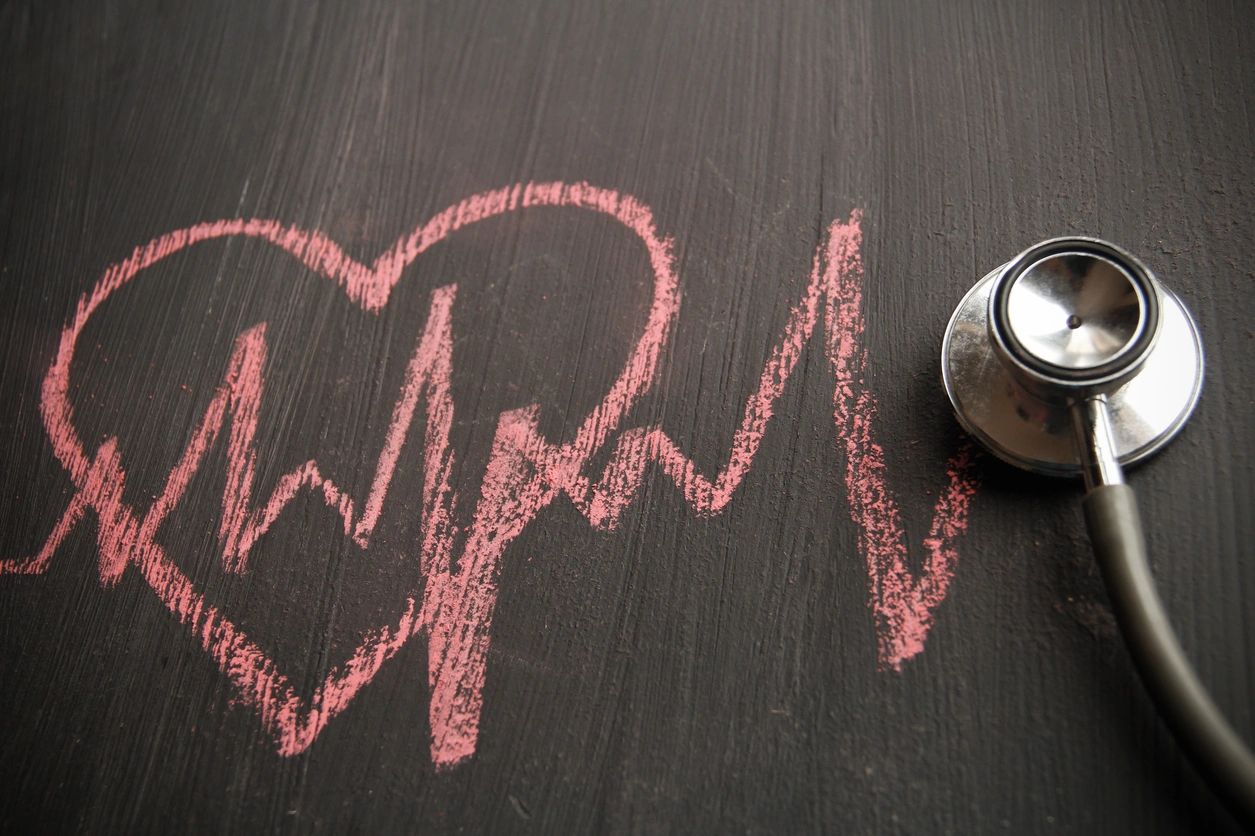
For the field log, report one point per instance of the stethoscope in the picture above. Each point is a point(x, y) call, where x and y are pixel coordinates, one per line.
point(1073, 359)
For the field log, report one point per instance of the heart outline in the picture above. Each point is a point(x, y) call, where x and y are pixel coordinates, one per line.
point(124, 539)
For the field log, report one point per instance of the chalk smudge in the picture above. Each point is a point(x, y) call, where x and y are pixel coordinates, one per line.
point(524, 474)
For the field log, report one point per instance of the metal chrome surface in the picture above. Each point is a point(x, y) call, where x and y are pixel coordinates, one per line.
point(1075, 310)
point(1091, 428)
point(1026, 431)
point(1074, 284)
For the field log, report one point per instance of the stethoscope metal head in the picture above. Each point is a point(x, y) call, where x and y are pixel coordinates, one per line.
point(1067, 321)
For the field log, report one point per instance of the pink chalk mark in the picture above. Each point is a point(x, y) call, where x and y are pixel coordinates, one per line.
point(524, 472)
point(903, 605)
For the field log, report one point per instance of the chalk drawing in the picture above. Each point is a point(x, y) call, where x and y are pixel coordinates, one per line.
point(524, 473)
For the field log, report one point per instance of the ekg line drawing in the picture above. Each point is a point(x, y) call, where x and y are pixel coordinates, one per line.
point(524, 474)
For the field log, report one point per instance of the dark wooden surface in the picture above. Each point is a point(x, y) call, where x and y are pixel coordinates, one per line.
point(679, 674)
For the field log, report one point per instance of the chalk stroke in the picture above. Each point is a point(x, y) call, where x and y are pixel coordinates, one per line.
point(524, 474)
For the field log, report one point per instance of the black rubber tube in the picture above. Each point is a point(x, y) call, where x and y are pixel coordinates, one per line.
point(1199, 727)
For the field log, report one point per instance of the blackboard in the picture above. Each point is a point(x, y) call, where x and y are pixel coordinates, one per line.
point(525, 417)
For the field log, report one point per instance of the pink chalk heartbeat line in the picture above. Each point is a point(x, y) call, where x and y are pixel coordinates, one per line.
point(524, 474)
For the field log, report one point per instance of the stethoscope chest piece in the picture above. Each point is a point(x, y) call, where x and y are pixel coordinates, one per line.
point(1071, 359)
point(1066, 320)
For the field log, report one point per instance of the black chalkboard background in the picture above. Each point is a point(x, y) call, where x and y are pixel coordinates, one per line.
point(679, 674)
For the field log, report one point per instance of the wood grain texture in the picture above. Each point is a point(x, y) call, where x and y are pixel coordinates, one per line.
point(680, 674)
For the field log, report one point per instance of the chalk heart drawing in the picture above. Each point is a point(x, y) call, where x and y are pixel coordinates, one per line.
point(524, 473)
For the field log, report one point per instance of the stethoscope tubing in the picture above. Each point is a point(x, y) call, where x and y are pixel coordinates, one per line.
point(1004, 389)
point(1217, 751)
